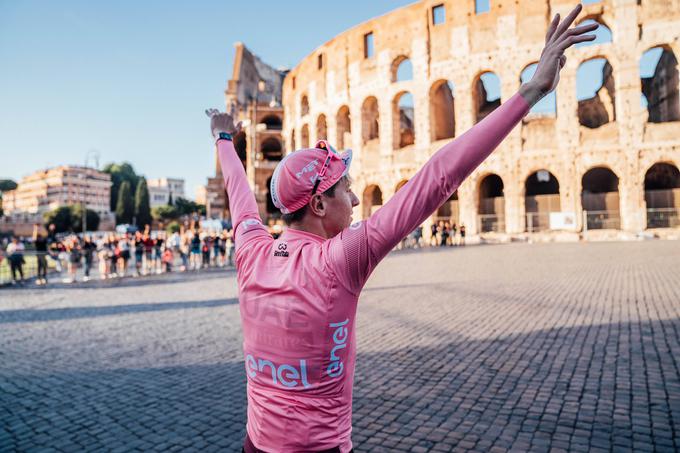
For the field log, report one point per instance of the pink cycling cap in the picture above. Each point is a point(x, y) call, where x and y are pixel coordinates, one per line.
point(307, 171)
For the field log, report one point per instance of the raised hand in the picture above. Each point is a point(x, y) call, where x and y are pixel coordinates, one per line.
point(558, 39)
point(222, 122)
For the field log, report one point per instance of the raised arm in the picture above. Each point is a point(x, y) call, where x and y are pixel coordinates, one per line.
point(447, 169)
point(242, 204)
point(364, 244)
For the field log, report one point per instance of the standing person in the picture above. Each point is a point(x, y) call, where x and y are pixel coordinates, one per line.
point(158, 246)
point(195, 250)
point(103, 258)
point(139, 252)
point(40, 243)
point(113, 256)
point(223, 247)
point(462, 234)
point(454, 230)
point(15, 256)
point(205, 251)
point(88, 253)
point(300, 374)
point(184, 249)
point(215, 241)
point(74, 257)
point(445, 234)
point(433, 234)
point(148, 252)
point(124, 247)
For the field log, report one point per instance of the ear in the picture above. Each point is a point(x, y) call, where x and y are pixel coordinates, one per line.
point(317, 205)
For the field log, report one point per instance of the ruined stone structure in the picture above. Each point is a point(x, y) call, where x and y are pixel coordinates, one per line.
point(254, 95)
point(607, 161)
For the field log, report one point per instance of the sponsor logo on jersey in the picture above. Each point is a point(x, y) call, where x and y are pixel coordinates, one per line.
point(281, 250)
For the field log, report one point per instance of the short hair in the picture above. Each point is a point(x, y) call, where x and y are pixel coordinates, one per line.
point(298, 215)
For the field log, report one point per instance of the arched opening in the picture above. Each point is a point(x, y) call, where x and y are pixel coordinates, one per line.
point(370, 120)
point(662, 195)
point(486, 95)
point(602, 33)
point(404, 131)
point(321, 130)
point(600, 199)
point(271, 149)
point(595, 93)
point(546, 106)
point(400, 184)
point(541, 197)
point(659, 79)
point(272, 122)
point(343, 128)
point(491, 203)
point(304, 136)
point(442, 114)
point(271, 207)
point(292, 140)
point(304, 106)
point(449, 211)
point(372, 200)
point(402, 69)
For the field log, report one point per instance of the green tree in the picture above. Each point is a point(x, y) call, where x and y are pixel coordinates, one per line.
point(77, 219)
point(170, 202)
point(61, 217)
point(142, 209)
point(120, 173)
point(7, 184)
point(188, 207)
point(125, 207)
point(173, 227)
point(164, 213)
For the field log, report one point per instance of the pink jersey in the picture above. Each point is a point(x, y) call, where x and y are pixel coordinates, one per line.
point(298, 294)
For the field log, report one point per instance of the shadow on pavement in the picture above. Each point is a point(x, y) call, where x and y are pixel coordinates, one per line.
point(608, 386)
point(60, 314)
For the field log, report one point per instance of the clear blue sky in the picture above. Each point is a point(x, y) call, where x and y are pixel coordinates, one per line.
point(131, 79)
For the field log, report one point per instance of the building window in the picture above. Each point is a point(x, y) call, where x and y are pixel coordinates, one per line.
point(320, 62)
point(369, 50)
point(482, 6)
point(438, 15)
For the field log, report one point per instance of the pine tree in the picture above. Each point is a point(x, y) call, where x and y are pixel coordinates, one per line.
point(125, 207)
point(142, 207)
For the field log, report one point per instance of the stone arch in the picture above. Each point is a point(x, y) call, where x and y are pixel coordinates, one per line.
point(595, 92)
point(400, 184)
point(659, 82)
point(541, 197)
point(372, 200)
point(401, 69)
point(304, 136)
point(600, 198)
point(321, 128)
point(370, 119)
point(304, 105)
point(343, 127)
point(486, 94)
point(662, 195)
point(442, 112)
point(273, 122)
point(603, 33)
point(449, 210)
point(491, 203)
point(404, 120)
point(546, 106)
point(271, 149)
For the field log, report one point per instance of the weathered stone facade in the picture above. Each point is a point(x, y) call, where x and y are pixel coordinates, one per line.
point(355, 93)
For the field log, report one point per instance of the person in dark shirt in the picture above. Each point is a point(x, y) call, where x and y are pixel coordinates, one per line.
point(40, 243)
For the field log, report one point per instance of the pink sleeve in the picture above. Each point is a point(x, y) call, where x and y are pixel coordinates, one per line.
point(242, 204)
point(358, 249)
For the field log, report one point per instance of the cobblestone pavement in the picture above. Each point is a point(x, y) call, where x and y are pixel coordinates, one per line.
point(544, 347)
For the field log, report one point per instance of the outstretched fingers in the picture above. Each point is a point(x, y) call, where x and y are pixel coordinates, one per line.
point(552, 28)
point(566, 23)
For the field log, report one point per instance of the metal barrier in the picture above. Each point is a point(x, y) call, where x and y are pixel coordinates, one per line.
point(601, 220)
point(537, 221)
point(663, 218)
point(29, 268)
point(491, 223)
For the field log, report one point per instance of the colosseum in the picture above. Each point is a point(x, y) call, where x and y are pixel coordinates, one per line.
point(601, 153)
